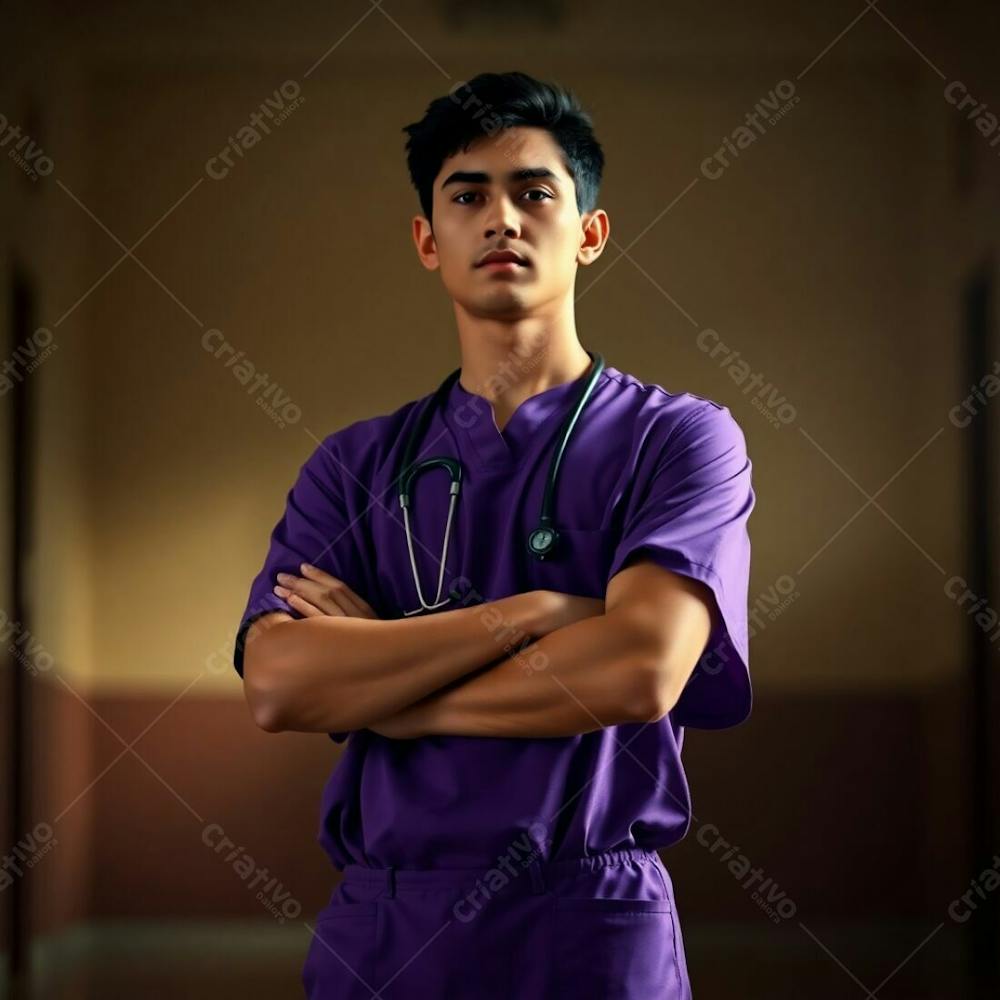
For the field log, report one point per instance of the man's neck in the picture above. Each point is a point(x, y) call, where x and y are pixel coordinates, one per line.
point(509, 363)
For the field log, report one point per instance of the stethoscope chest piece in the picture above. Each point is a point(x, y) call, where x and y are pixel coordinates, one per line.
point(542, 542)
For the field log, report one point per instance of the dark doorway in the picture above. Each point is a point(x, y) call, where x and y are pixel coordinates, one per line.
point(982, 558)
point(18, 418)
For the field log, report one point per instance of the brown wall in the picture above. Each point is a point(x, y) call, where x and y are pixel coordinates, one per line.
point(828, 795)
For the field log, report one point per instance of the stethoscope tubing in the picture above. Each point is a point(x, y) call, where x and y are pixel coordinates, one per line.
point(541, 542)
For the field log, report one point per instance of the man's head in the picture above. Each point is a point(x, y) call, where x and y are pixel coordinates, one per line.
point(506, 162)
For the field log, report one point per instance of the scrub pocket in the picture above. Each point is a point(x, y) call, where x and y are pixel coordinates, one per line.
point(615, 949)
point(340, 961)
point(581, 563)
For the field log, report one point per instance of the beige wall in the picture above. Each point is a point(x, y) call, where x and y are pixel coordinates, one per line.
point(827, 255)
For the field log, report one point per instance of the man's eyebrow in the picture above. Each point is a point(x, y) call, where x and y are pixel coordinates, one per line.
point(481, 177)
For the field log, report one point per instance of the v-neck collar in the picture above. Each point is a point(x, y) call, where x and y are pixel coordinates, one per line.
point(473, 414)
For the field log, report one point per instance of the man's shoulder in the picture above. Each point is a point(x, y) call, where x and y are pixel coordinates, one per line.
point(666, 412)
point(682, 433)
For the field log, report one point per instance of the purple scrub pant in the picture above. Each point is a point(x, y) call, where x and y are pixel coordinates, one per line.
point(604, 927)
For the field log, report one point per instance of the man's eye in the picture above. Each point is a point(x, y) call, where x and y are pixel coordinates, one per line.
point(472, 194)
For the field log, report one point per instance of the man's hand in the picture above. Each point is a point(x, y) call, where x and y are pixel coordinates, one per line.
point(317, 593)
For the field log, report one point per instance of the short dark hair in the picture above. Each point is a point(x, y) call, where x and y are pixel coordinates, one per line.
point(490, 102)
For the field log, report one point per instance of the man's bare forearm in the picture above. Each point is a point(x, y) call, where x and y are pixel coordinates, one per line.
point(593, 673)
point(335, 673)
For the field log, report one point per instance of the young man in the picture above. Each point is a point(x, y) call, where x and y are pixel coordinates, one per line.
point(516, 708)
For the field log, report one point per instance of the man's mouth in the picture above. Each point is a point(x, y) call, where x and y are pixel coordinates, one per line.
point(502, 257)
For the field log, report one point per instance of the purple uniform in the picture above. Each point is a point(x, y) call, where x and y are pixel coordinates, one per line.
point(564, 829)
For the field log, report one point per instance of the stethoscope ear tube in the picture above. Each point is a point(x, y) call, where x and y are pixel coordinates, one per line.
point(453, 465)
point(420, 430)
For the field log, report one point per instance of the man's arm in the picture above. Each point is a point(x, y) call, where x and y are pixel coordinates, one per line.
point(628, 665)
point(341, 668)
point(328, 673)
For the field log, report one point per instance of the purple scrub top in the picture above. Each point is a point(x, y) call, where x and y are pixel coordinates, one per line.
point(647, 474)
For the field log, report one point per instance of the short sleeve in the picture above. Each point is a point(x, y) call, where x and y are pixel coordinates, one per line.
point(314, 528)
point(689, 513)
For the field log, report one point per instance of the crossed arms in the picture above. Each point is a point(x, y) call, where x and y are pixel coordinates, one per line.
point(537, 664)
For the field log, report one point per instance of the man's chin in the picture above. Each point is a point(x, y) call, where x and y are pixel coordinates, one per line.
point(507, 303)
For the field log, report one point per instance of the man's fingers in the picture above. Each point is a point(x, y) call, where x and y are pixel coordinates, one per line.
point(302, 605)
point(328, 593)
point(309, 592)
point(355, 605)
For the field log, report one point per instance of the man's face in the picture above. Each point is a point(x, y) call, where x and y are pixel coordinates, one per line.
point(480, 205)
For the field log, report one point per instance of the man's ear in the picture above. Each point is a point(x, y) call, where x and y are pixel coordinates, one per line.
point(596, 230)
point(423, 238)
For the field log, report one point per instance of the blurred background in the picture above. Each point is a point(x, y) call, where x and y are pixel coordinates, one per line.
point(845, 246)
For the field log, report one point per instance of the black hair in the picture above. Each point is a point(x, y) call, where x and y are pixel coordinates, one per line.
point(490, 102)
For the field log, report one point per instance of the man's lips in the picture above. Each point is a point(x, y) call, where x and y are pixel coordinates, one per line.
point(502, 257)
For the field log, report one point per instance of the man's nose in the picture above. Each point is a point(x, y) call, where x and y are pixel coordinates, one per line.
point(503, 219)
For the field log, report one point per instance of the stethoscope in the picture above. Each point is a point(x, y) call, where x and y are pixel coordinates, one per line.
point(542, 542)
